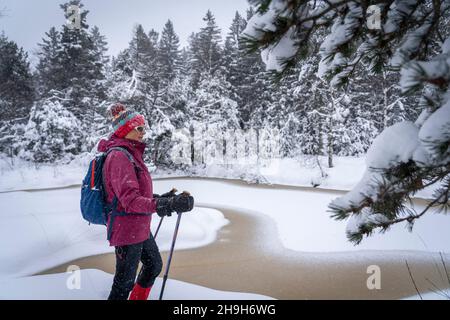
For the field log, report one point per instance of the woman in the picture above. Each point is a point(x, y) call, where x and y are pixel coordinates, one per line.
point(129, 186)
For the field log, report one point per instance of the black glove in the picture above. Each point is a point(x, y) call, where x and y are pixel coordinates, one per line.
point(163, 206)
point(183, 202)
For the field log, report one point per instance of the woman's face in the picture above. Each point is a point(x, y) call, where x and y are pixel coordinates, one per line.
point(137, 134)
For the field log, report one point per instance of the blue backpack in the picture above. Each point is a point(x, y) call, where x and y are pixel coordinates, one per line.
point(93, 204)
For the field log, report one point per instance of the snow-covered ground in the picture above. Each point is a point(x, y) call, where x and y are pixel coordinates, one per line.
point(50, 221)
point(16, 174)
point(303, 221)
point(45, 229)
point(96, 284)
point(301, 216)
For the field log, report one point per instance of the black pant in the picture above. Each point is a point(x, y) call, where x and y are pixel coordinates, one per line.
point(127, 262)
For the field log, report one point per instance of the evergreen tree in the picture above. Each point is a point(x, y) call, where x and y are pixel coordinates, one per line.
point(144, 77)
point(253, 87)
point(231, 51)
point(100, 49)
point(168, 54)
point(231, 57)
point(213, 113)
point(16, 84)
point(153, 37)
point(119, 76)
point(139, 65)
point(52, 133)
point(101, 62)
point(71, 74)
point(184, 62)
point(81, 58)
point(415, 39)
point(49, 72)
point(205, 50)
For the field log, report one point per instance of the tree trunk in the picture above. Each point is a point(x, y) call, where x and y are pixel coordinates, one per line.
point(191, 130)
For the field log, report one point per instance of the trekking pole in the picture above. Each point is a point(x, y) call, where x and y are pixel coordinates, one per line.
point(169, 260)
point(171, 192)
point(159, 226)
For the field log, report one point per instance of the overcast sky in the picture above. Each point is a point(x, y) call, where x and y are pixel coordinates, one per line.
point(26, 21)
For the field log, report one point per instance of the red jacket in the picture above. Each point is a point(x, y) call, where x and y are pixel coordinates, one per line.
point(134, 191)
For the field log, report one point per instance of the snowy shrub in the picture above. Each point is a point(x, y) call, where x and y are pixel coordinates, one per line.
point(52, 132)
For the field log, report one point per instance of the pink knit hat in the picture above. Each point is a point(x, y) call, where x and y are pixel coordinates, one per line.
point(124, 121)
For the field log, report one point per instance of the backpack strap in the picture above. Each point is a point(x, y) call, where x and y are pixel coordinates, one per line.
point(112, 209)
point(124, 150)
point(130, 157)
point(114, 214)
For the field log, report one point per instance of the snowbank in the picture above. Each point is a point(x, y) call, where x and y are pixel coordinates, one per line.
point(303, 220)
point(96, 284)
point(346, 173)
point(306, 212)
point(45, 229)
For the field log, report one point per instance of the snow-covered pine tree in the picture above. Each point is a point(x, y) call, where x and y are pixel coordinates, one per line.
point(72, 67)
point(146, 77)
point(72, 70)
point(119, 76)
point(168, 54)
point(378, 98)
point(173, 104)
point(231, 54)
point(101, 60)
point(352, 130)
point(143, 64)
point(254, 89)
point(83, 66)
point(245, 73)
point(171, 101)
point(184, 61)
point(16, 83)
point(213, 114)
point(135, 79)
point(311, 96)
point(16, 92)
point(95, 121)
point(301, 106)
point(283, 113)
point(52, 133)
point(302, 110)
point(205, 50)
point(413, 37)
point(173, 95)
point(212, 103)
point(49, 72)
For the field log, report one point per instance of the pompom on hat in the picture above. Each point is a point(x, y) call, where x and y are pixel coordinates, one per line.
point(123, 120)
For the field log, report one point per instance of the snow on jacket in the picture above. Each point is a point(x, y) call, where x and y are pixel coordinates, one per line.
point(133, 188)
